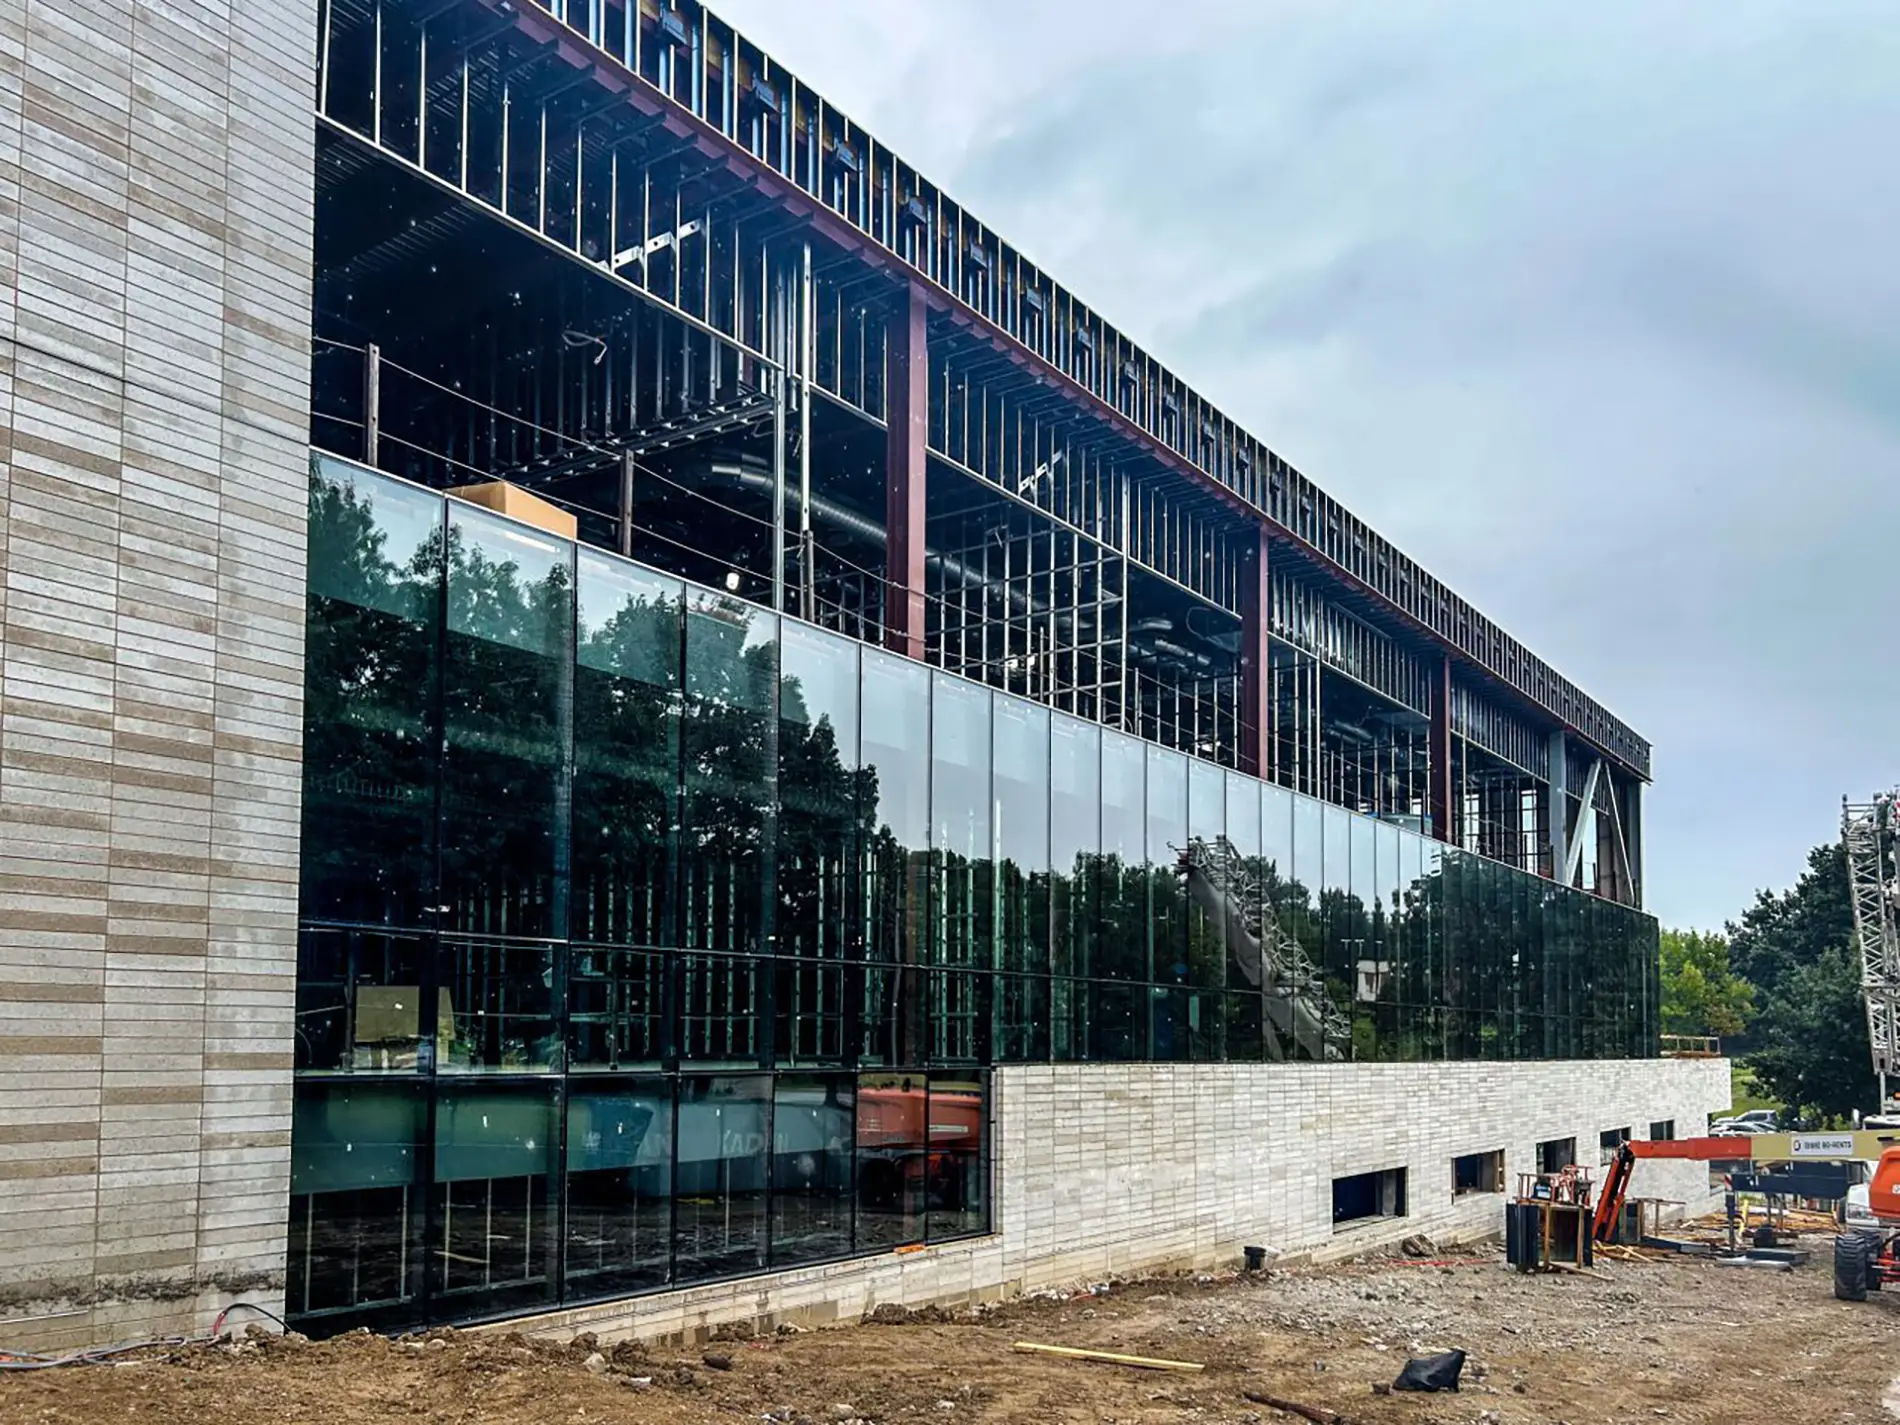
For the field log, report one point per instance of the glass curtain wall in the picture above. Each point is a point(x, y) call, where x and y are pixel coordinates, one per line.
point(650, 938)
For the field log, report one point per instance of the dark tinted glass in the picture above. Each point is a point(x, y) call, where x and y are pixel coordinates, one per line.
point(355, 1211)
point(619, 1186)
point(894, 1170)
point(1122, 887)
point(821, 797)
point(1021, 791)
point(813, 1167)
point(626, 753)
point(958, 1162)
point(370, 684)
point(721, 1173)
point(1075, 841)
point(961, 834)
point(896, 791)
point(730, 759)
point(493, 1204)
point(507, 691)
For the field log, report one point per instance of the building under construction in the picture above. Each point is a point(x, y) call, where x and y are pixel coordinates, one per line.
point(668, 709)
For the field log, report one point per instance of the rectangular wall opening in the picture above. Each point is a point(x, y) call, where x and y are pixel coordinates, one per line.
point(1368, 1195)
point(1608, 1141)
point(1556, 1154)
point(1663, 1130)
point(1477, 1172)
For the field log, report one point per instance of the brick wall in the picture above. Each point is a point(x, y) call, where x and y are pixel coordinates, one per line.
point(1107, 1169)
point(155, 218)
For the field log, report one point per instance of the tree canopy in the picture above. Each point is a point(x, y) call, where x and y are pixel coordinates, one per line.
point(1797, 950)
point(1701, 993)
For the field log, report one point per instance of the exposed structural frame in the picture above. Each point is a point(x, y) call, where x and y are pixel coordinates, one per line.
point(715, 366)
point(751, 112)
point(1867, 832)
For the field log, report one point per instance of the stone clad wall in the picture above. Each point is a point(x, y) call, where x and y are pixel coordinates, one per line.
point(156, 178)
point(1121, 1169)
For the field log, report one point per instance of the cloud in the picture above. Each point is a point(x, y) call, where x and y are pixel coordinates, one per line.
point(1590, 309)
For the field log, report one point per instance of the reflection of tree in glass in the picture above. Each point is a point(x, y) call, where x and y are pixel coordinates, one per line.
point(369, 666)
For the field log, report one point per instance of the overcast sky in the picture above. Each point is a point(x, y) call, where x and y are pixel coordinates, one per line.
point(1593, 309)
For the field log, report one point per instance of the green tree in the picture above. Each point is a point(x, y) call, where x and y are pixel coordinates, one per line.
point(1779, 934)
point(1797, 949)
point(1814, 1053)
point(1701, 993)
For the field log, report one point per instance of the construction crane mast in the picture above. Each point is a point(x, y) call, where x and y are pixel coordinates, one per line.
point(1867, 830)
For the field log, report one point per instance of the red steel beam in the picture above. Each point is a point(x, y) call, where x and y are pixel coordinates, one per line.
point(907, 417)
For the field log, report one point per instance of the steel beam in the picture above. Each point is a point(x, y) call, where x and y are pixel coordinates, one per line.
point(907, 404)
point(1255, 692)
point(1438, 754)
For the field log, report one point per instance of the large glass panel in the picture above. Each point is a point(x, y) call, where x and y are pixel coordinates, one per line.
point(1210, 900)
point(1075, 842)
point(888, 1001)
point(813, 1180)
point(956, 1016)
point(1340, 916)
point(1069, 1039)
point(965, 866)
point(507, 696)
point(616, 1008)
point(1022, 835)
point(1240, 923)
point(818, 842)
point(355, 1204)
point(1166, 839)
point(370, 666)
point(1302, 909)
point(721, 1019)
point(1117, 1020)
point(730, 757)
point(893, 1160)
point(808, 1005)
point(959, 1158)
point(720, 1178)
point(896, 856)
point(493, 1203)
point(626, 753)
point(360, 1001)
point(619, 1186)
point(495, 1010)
point(1022, 1018)
point(1122, 889)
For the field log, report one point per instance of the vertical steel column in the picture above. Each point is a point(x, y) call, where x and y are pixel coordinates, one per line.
point(1438, 757)
point(626, 503)
point(1255, 694)
point(907, 412)
point(1558, 798)
point(780, 379)
point(807, 359)
point(372, 404)
point(1633, 840)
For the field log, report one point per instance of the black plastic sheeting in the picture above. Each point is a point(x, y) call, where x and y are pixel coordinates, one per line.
point(1432, 1372)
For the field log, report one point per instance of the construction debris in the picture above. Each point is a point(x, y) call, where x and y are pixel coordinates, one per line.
point(1076, 1353)
point(1318, 1414)
point(1432, 1373)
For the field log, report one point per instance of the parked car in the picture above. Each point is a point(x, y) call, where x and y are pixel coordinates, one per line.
point(1756, 1120)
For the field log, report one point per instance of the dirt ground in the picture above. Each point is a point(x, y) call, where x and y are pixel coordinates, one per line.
point(1676, 1341)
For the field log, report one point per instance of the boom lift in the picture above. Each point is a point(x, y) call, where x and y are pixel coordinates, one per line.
point(1863, 1261)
